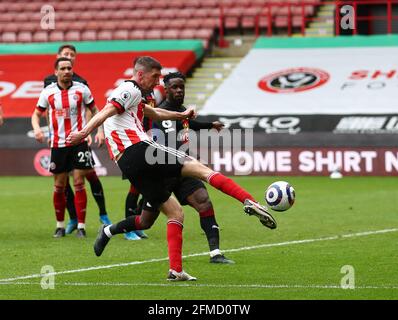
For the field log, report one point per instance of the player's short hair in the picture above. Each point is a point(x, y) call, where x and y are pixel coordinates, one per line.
point(173, 75)
point(67, 46)
point(146, 63)
point(60, 60)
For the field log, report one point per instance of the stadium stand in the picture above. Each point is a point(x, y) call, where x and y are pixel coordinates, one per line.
point(20, 21)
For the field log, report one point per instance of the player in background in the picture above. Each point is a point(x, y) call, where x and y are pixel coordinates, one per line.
point(66, 102)
point(133, 150)
point(69, 51)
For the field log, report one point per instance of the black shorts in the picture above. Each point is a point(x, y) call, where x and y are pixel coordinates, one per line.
point(148, 165)
point(69, 158)
point(184, 187)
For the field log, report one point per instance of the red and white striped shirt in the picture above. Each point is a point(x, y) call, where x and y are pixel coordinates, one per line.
point(125, 128)
point(66, 110)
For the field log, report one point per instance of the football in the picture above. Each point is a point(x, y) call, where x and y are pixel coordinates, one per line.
point(280, 196)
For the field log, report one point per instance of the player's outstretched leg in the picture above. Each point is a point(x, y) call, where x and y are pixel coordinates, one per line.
point(195, 169)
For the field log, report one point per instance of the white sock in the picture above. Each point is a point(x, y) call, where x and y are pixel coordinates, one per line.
point(215, 252)
point(108, 231)
point(61, 224)
point(81, 225)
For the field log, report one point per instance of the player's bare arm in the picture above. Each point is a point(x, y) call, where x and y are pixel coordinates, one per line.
point(162, 114)
point(35, 120)
point(99, 138)
point(98, 119)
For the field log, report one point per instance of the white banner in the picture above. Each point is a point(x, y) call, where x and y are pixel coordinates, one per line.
point(310, 81)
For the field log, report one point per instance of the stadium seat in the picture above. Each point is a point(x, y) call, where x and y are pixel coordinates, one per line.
point(88, 35)
point(177, 23)
point(40, 36)
point(77, 26)
point(204, 34)
point(231, 22)
point(187, 34)
point(11, 27)
point(24, 36)
point(170, 34)
point(93, 25)
point(109, 25)
point(36, 17)
point(7, 17)
point(31, 26)
point(184, 13)
point(168, 14)
point(121, 35)
point(176, 4)
point(153, 34)
point(193, 23)
point(9, 37)
point(192, 3)
point(72, 35)
point(127, 24)
point(137, 34)
point(15, 7)
point(56, 36)
point(104, 35)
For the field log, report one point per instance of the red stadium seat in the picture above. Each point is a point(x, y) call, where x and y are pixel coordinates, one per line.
point(143, 24)
point(109, 25)
point(168, 13)
point(9, 37)
point(93, 25)
point(187, 34)
point(153, 34)
point(210, 23)
point(104, 35)
point(16, 7)
point(170, 34)
point(184, 13)
point(32, 7)
point(12, 27)
point(7, 17)
point(24, 36)
point(137, 34)
point(177, 23)
point(127, 24)
point(40, 36)
point(177, 4)
point(160, 24)
point(209, 4)
point(152, 14)
point(88, 35)
point(121, 35)
point(204, 34)
point(72, 36)
point(56, 36)
point(31, 26)
point(192, 3)
point(77, 26)
point(135, 14)
point(36, 17)
point(231, 22)
point(193, 23)
point(201, 13)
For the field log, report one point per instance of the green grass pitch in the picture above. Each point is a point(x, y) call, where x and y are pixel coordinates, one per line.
point(334, 223)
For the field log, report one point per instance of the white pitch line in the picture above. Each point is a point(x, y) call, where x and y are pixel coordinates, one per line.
point(191, 284)
point(268, 245)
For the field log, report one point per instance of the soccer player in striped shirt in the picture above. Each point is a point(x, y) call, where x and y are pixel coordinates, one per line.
point(69, 51)
point(67, 102)
point(133, 150)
